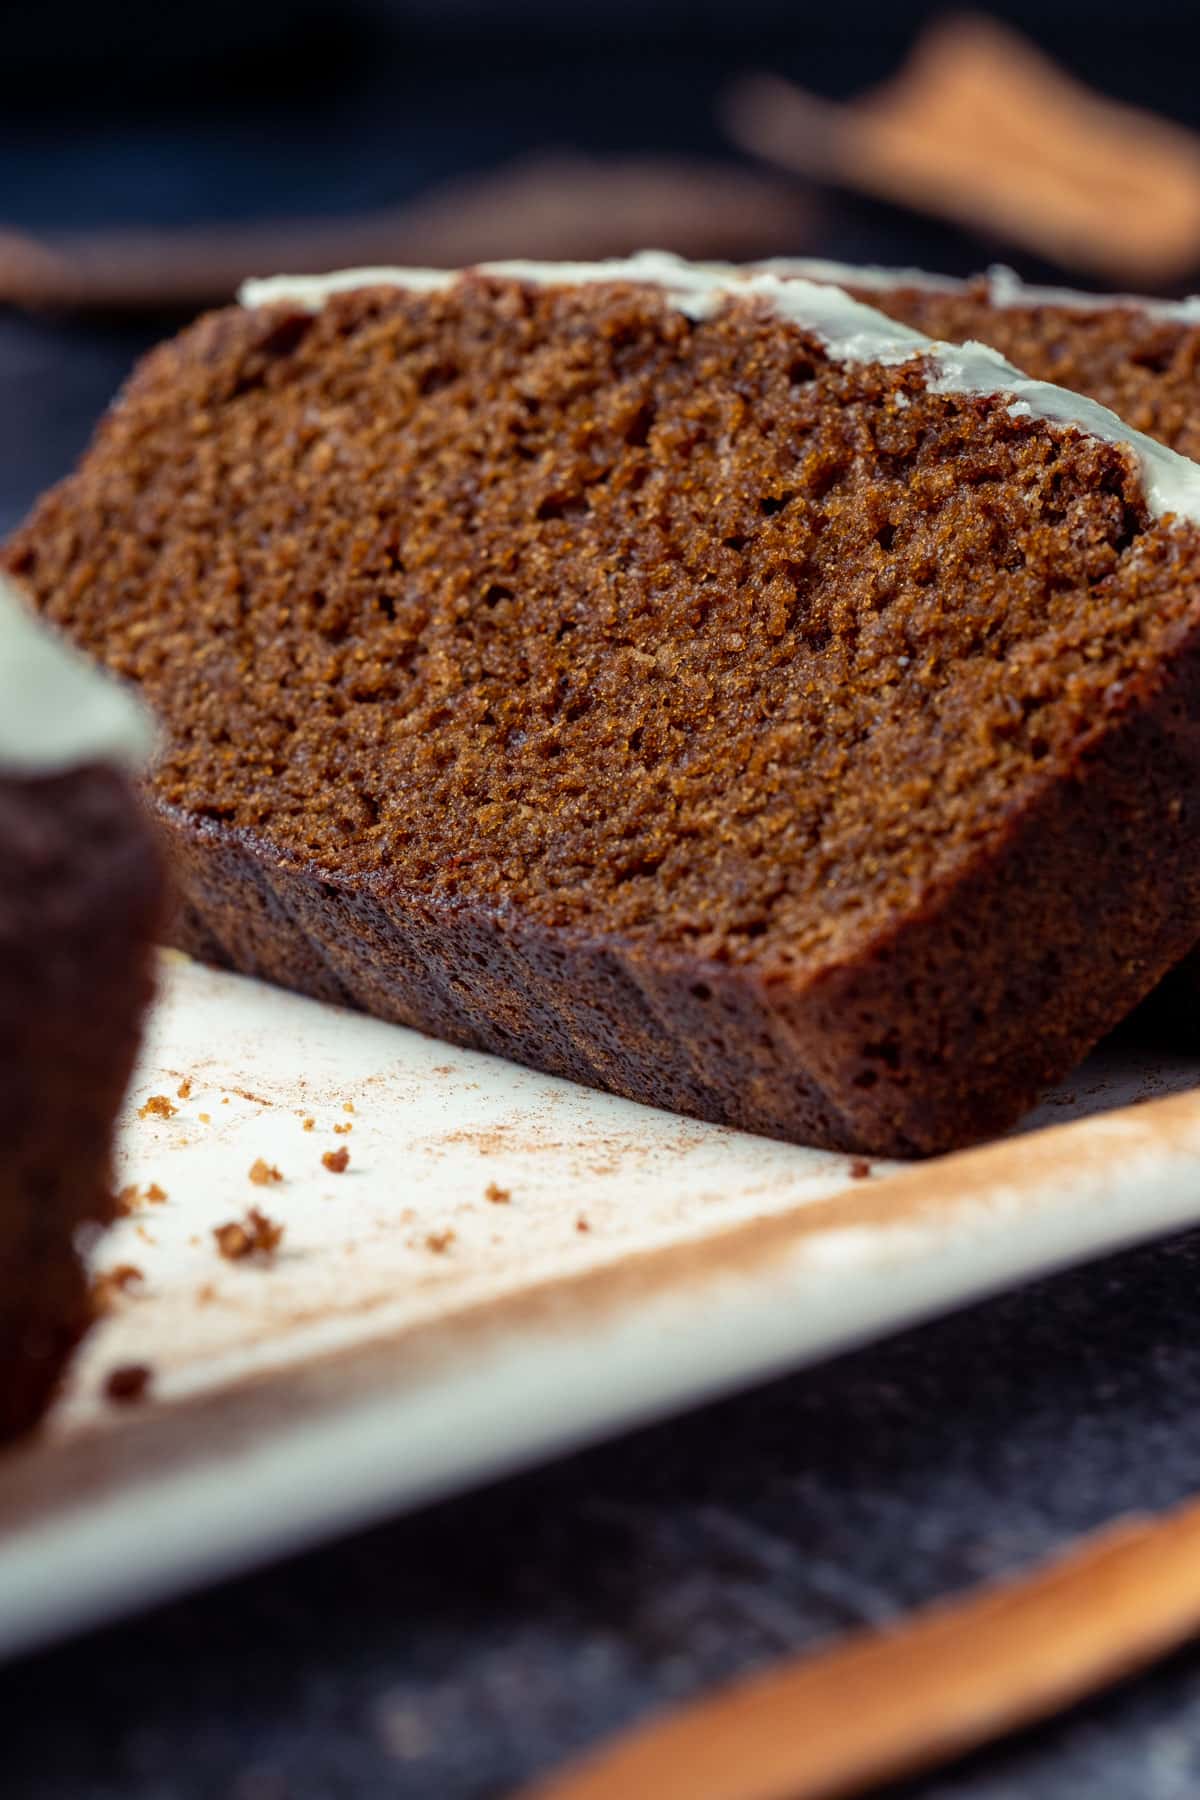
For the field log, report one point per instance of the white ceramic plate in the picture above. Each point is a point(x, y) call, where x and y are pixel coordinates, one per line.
point(510, 1266)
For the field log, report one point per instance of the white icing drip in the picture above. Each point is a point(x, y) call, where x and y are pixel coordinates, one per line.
point(1170, 482)
point(56, 710)
point(850, 332)
point(1004, 287)
point(859, 275)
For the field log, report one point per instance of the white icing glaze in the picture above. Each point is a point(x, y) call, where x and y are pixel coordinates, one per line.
point(56, 710)
point(1004, 287)
point(849, 331)
point(860, 275)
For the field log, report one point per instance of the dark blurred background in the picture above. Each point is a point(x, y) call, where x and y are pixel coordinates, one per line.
point(143, 117)
point(143, 112)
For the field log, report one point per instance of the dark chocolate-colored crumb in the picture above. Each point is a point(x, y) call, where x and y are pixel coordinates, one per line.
point(128, 1383)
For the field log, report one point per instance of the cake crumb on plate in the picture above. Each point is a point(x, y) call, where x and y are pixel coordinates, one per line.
point(128, 1383)
point(255, 1235)
point(110, 1283)
point(157, 1107)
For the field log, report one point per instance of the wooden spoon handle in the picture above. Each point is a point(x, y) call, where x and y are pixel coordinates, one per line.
point(882, 1705)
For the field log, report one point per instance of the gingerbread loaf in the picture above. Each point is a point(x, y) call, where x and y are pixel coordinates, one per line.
point(77, 911)
point(692, 683)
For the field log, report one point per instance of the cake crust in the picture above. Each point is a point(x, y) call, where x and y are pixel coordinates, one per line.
point(660, 701)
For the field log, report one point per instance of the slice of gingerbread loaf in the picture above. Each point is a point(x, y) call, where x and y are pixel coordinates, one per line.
point(77, 909)
point(692, 683)
point(1136, 355)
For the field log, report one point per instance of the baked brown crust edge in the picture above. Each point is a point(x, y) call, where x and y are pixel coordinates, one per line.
point(941, 1033)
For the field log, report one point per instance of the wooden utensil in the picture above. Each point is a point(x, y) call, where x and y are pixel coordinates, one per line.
point(982, 128)
point(560, 207)
point(882, 1705)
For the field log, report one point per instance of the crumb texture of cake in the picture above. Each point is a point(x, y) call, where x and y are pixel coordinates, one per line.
point(1136, 355)
point(78, 905)
point(708, 691)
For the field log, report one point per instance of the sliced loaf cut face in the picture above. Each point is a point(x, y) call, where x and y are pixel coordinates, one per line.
point(693, 684)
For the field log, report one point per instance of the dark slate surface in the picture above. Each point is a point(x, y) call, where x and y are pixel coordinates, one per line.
point(449, 1655)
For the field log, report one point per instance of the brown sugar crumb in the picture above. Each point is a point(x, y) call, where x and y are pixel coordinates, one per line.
point(157, 1107)
point(336, 1161)
point(439, 1242)
point(348, 1106)
point(262, 1174)
point(126, 1200)
point(859, 1169)
point(131, 1198)
point(204, 1118)
point(581, 1224)
point(255, 1235)
point(110, 1283)
point(309, 1124)
point(184, 1090)
point(127, 1383)
point(496, 1194)
point(341, 1130)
